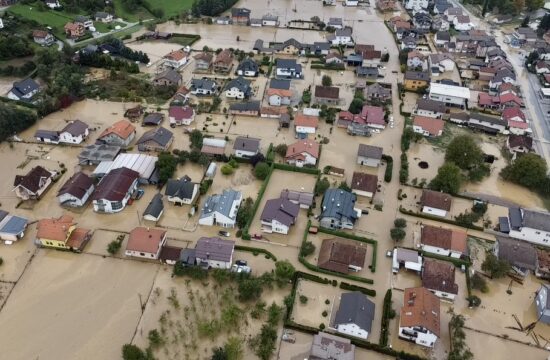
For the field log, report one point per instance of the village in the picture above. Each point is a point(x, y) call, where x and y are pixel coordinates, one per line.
point(279, 180)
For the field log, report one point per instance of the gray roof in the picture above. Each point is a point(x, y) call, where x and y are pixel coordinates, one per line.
point(203, 84)
point(270, 17)
point(301, 197)
point(24, 87)
point(354, 57)
point(188, 256)
point(486, 118)
point(240, 12)
point(13, 224)
point(101, 15)
point(514, 214)
point(75, 128)
point(343, 32)
point(334, 21)
point(443, 35)
point(246, 144)
point(3, 214)
point(417, 75)
point(170, 75)
point(245, 106)
point(536, 220)
point(373, 152)
point(214, 248)
point(220, 203)
point(155, 207)
point(159, 135)
point(517, 252)
point(153, 119)
point(402, 254)
point(288, 64)
point(47, 134)
point(279, 84)
point(248, 64)
point(367, 71)
point(240, 83)
point(431, 105)
point(281, 210)
point(97, 152)
point(355, 308)
point(338, 203)
point(81, 18)
point(330, 347)
point(182, 188)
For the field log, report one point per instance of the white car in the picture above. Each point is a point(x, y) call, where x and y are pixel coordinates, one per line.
point(391, 125)
point(375, 131)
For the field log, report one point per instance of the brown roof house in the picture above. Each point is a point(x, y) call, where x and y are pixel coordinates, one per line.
point(435, 203)
point(439, 278)
point(203, 61)
point(74, 30)
point(120, 134)
point(445, 242)
point(61, 233)
point(168, 78)
point(145, 242)
point(279, 215)
point(224, 61)
point(420, 319)
point(364, 184)
point(342, 256)
point(520, 254)
point(33, 184)
point(331, 347)
point(76, 191)
point(369, 155)
point(157, 139)
point(114, 190)
point(303, 152)
point(428, 126)
point(328, 95)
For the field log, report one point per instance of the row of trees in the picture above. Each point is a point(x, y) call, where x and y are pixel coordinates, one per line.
point(13, 46)
point(209, 7)
point(511, 7)
point(107, 62)
point(14, 119)
point(126, 52)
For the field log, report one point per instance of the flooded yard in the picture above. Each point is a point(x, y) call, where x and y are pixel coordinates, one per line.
point(311, 313)
point(433, 156)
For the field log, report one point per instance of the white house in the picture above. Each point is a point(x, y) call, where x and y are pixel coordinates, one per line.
point(145, 242)
point(279, 215)
point(341, 37)
point(303, 152)
point(435, 203)
point(409, 259)
point(12, 228)
point(114, 190)
point(427, 126)
point(529, 225)
point(420, 319)
point(429, 108)
point(76, 191)
point(246, 147)
point(1, 23)
point(181, 191)
point(487, 123)
point(354, 315)
point(439, 63)
point(181, 115)
point(33, 184)
point(442, 241)
point(214, 253)
point(24, 90)
point(463, 23)
point(176, 59)
point(75, 132)
point(416, 4)
point(238, 88)
point(221, 209)
point(450, 95)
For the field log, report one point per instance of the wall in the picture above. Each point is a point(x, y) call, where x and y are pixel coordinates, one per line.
point(353, 330)
point(434, 211)
point(530, 235)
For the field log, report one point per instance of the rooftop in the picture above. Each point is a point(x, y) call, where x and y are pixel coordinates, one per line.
point(337, 255)
point(421, 308)
point(145, 240)
point(439, 276)
point(214, 248)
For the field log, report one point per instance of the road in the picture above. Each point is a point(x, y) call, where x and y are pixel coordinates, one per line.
point(536, 109)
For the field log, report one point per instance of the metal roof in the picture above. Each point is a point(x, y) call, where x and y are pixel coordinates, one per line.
point(13, 224)
point(355, 308)
point(141, 163)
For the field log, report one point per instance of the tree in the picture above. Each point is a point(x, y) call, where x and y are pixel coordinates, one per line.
point(281, 149)
point(496, 267)
point(344, 186)
point(256, 159)
point(307, 248)
point(262, 170)
point(448, 179)
point(400, 223)
point(525, 22)
point(234, 348)
point(245, 212)
point(264, 343)
point(528, 170)
point(326, 80)
point(196, 139)
point(306, 96)
point(249, 289)
point(478, 282)
point(356, 106)
point(284, 270)
point(166, 165)
point(397, 234)
point(155, 340)
point(227, 169)
point(219, 353)
point(321, 186)
point(113, 247)
point(132, 352)
point(464, 151)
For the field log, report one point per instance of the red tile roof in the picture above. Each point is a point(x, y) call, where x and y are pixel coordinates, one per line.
point(55, 228)
point(176, 55)
point(421, 308)
point(181, 112)
point(308, 146)
point(122, 129)
point(431, 125)
point(145, 240)
point(306, 120)
point(373, 115)
point(443, 238)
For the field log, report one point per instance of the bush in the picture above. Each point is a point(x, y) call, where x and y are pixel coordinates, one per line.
point(351, 287)
point(321, 186)
point(400, 223)
point(389, 168)
point(1, 261)
point(227, 169)
point(478, 282)
point(327, 301)
point(307, 248)
point(322, 326)
point(324, 313)
point(303, 299)
point(205, 185)
point(262, 170)
point(397, 234)
point(114, 246)
point(386, 316)
point(496, 267)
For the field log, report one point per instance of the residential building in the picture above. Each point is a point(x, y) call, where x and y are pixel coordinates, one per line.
point(84, 21)
point(335, 23)
point(221, 209)
point(440, 63)
point(342, 256)
point(364, 184)
point(341, 37)
point(416, 4)
point(449, 95)
point(33, 184)
point(378, 92)
point(103, 17)
point(489, 124)
point(246, 147)
point(43, 38)
point(416, 80)
point(158, 139)
point(439, 278)
point(338, 209)
point(61, 233)
point(24, 90)
point(76, 191)
point(327, 95)
point(214, 253)
point(406, 258)
point(94, 154)
point(238, 88)
point(354, 315)
point(288, 69)
point(416, 60)
point(443, 241)
point(74, 30)
point(428, 126)
point(203, 61)
point(369, 72)
point(153, 119)
point(373, 116)
point(246, 108)
point(386, 5)
point(442, 38)
point(12, 228)
point(519, 144)
point(435, 203)
point(181, 191)
point(302, 153)
point(420, 319)
point(168, 77)
point(47, 136)
point(279, 97)
point(331, 347)
point(305, 125)
point(213, 146)
point(240, 16)
point(144, 165)
point(529, 225)
point(154, 209)
point(279, 215)
point(422, 22)
point(334, 59)
point(144, 242)
point(181, 115)
point(52, 4)
point(114, 190)
point(176, 59)
point(429, 108)
point(224, 61)
point(206, 87)
point(270, 20)
point(248, 67)
point(542, 303)
point(75, 132)
point(521, 255)
point(120, 134)
point(463, 23)
point(369, 155)
point(302, 198)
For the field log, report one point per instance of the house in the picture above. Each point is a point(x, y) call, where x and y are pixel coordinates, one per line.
point(416, 80)
point(168, 77)
point(221, 209)
point(154, 209)
point(542, 303)
point(408, 42)
point(416, 60)
point(364, 184)
point(223, 20)
point(462, 23)
point(302, 198)
point(248, 67)
point(61, 233)
point(203, 61)
point(317, 48)
point(521, 255)
point(377, 92)
point(516, 120)
point(326, 346)
point(452, 12)
point(214, 253)
point(76, 191)
point(279, 96)
point(114, 190)
point(373, 116)
point(351, 3)
point(247, 108)
point(354, 315)
point(43, 38)
point(246, 147)
point(52, 4)
point(428, 126)
point(279, 215)
point(337, 209)
point(489, 124)
point(529, 225)
point(238, 88)
point(153, 119)
point(33, 184)
point(74, 30)
point(176, 59)
point(224, 61)
point(12, 228)
point(181, 191)
point(440, 63)
point(443, 241)
point(435, 203)
point(103, 17)
point(206, 87)
point(429, 108)
point(334, 59)
point(439, 278)
point(327, 95)
point(144, 165)
point(94, 154)
point(84, 21)
point(440, 23)
point(288, 69)
point(519, 144)
point(460, 118)
point(240, 16)
point(442, 38)
point(158, 139)
point(440, 6)
point(416, 4)
point(422, 22)
point(145, 242)
point(369, 72)
point(409, 259)
point(181, 115)
point(24, 90)
point(502, 76)
point(270, 20)
point(120, 134)
point(420, 319)
point(450, 95)
point(335, 23)
point(305, 125)
point(341, 37)
point(302, 152)
point(171, 254)
point(371, 57)
point(354, 60)
point(75, 132)
point(369, 155)
point(213, 147)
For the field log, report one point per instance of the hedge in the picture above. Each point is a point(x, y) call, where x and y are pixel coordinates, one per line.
point(270, 154)
point(245, 234)
point(435, 218)
point(255, 251)
point(389, 167)
point(327, 67)
point(455, 261)
point(351, 287)
point(385, 323)
point(305, 170)
point(333, 273)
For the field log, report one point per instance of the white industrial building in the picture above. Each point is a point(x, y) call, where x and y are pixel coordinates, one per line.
point(143, 164)
point(450, 95)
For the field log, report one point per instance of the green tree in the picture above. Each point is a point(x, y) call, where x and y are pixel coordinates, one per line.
point(306, 96)
point(284, 270)
point(465, 152)
point(307, 248)
point(344, 186)
point(234, 348)
point(321, 186)
point(132, 352)
point(448, 179)
point(219, 353)
point(326, 80)
point(227, 169)
point(400, 223)
point(196, 139)
point(155, 340)
point(264, 343)
point(166, 165)
point(244, 214)
point(249, 289)
point(528, 170)
point(478, 282)
point(397, 234)
point(356, 106)
point(262, 170)
point(281, 149)
point(496, 267)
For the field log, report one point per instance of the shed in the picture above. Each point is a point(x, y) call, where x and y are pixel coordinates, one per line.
point(154, 210)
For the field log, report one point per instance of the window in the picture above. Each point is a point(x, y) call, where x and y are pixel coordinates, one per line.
point(537, 232)
point(142, 254)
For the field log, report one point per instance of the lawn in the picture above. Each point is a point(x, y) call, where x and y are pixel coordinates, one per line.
point(140, 14)
point(55, 19)
point(172, 7)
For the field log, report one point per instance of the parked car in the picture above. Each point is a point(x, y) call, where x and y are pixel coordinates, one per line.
point(241, 263)
point(257, 236)
point(389, 253)
point(224, 233)
point(240, 269)
point(138, 194)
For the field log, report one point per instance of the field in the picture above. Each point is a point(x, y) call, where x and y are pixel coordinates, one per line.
point(55, 19)
point(140, 14)
point(171, 7)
